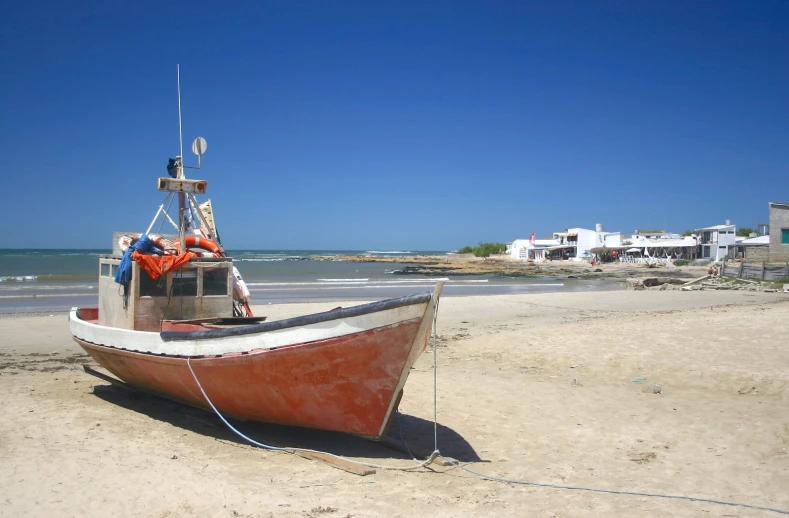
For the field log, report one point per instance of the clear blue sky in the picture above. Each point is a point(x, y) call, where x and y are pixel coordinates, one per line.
point(394, 125)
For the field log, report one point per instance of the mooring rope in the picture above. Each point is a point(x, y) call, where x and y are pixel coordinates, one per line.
point(454, 463)
point(615, 492)
point(422, 464)
point(435, 379)
point(305, 450)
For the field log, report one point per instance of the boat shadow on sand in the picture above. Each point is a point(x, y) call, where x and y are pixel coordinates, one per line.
point(417, 432)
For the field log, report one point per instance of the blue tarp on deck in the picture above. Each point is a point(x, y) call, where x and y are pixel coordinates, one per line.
point(145, 246)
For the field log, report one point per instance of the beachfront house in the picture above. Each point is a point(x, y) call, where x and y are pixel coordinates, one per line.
point(525, 249)
point(518, 249)
point(714, 242)
point(779, 232)
point(584, 239)
point(660, 244)
point(652, 234)
point(751, 249)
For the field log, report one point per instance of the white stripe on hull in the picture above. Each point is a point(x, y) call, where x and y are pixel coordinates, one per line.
point(151, 342)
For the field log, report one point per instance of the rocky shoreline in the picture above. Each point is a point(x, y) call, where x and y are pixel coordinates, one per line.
point(462, 265)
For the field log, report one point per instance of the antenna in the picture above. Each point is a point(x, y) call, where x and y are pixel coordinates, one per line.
point(198, 148)
point(180, 131)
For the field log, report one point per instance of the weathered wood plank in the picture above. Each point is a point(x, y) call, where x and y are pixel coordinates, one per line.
point(696, 280)
point(334, 462)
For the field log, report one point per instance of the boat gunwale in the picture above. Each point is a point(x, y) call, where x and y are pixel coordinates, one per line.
point(228, 355)
point(299, 321)
point(303, 320)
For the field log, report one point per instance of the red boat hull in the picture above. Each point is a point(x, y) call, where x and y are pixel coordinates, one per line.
point(347, 384)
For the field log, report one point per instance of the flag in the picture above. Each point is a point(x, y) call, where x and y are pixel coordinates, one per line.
point(531, 239)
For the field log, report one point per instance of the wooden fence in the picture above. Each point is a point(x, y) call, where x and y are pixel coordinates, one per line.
point(760, 271)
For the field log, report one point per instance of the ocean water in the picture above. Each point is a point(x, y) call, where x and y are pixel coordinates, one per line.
point(51, 281)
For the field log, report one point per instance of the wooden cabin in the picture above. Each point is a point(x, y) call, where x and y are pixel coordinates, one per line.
point(201, 289)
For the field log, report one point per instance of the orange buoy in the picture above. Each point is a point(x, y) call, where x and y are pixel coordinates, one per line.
point(200, 242)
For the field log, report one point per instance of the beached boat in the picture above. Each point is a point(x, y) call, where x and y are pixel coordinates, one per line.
point(173, 318)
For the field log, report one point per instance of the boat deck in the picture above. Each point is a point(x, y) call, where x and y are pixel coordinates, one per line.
point(92, 315)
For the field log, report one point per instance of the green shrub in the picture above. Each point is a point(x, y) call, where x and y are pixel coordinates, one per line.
point(484, 249)
point(487, 249)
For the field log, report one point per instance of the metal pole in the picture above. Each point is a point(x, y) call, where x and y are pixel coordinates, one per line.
point(157, 215)
point(181, 197)
point(180, 131)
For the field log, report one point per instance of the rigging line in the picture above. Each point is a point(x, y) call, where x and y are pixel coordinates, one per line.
point(159, 211)
point(209, 233)
point(171, 197)
point(193, 209)
point(171, 282)
point(166, 215)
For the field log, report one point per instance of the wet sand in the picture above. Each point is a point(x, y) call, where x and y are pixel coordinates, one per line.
point(530, 387)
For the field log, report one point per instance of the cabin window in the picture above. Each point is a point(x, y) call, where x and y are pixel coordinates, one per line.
point(113, 270)
point(185, 283)
point(105, 270)
point(785, 236)
point(215, 281)
point(152, 288)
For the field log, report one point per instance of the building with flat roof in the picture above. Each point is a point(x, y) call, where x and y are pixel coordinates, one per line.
point(779, 232)
point(714, 242)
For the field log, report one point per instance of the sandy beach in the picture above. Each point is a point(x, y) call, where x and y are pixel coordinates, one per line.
point(554, 388)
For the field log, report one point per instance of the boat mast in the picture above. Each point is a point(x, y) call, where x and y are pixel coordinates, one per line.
point(178, 183)
point(181, 195)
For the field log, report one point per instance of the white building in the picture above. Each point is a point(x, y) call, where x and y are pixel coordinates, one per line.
point(751, 249)
point(524, 250)
point(664, 240)
point(652, 234)
point(714, 242)
point(584, 239)
point(574, 243)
